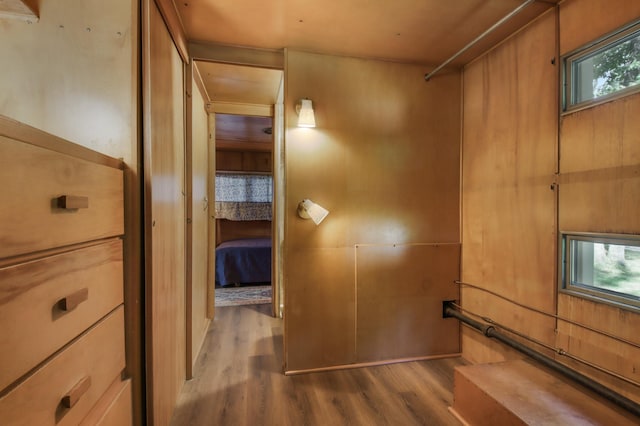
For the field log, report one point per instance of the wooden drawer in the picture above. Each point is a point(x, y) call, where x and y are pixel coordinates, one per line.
point(97, 358)
point(32, 180)
point(114, 408)
point(33, 321)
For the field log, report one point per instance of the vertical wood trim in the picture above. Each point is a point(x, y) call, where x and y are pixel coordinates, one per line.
point(211, 146)
point(188, 169)
point(174, 25)
point(145, 20)
point(278, 221)
point(556, 206)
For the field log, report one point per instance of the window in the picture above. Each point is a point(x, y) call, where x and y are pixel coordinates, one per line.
point(606, 69)
point(602, 267)
point(243, 196)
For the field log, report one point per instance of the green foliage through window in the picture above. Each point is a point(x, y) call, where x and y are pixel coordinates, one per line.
point(617, 68)
point(604, 69)
point(603, 266)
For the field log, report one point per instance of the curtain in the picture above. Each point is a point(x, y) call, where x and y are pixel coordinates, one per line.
point(243, 196)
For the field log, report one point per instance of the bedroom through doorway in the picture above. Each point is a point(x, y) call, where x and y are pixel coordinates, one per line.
point(246, 126)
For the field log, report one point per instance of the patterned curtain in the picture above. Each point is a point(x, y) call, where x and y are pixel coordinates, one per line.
point(243, 197)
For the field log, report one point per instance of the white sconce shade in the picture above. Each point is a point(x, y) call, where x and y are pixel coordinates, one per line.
point(306, 117)
point(307, 209)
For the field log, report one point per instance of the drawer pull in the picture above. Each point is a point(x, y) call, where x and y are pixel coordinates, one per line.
point(73, 300)
point(73, 202)
point(73, 396)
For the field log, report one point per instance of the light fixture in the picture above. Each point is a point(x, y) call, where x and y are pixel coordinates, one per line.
point(307, 209)
point(306, 118)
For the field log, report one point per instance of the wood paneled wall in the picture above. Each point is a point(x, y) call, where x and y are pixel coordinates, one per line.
point(509, 162)
point(384, 160)
point(599, 192)
point(514, 142)
point(74, 74)
point(164, 144)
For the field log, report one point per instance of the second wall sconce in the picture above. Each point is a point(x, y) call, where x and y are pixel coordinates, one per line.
point(307, 209)
point(306, 117)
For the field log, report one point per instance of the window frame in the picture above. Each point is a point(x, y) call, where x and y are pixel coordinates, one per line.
point(601, 44)
point(565, 286)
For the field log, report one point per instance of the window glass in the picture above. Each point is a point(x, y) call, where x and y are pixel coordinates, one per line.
point(608, 67)
point(608, 268)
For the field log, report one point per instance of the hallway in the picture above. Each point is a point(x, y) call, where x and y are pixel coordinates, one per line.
point(238, 381)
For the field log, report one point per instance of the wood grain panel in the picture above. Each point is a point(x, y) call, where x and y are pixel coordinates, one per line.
point(34, 178)
point(583, 21)
point(114, 408)
point(599, 191)
point(243, 128)
point(509, 162)
point(24, 9)
point(165, 218)
point(320, 308)
point(384, 160)
point(232, 230)
point(523, 393)
point(174, 25)
point(239, 84)
point(418, 31)
point(38, 399)
point(390, 144)
point(400, 290)
point(87, 93)
point(30, 295)
point(600, 166)
point(200, 205)
point(617, 356)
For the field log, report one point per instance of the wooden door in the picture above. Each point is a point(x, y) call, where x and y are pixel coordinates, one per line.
point(164, 221)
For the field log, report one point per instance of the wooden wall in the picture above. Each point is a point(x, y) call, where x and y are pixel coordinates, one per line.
point(509, 162)
point(599, 192)
point(514, 142)
point(367, 284)
point(164, 144)
point(74, 73)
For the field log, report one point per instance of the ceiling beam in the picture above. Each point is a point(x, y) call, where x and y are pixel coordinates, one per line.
point(263, 58)
point(240, 109)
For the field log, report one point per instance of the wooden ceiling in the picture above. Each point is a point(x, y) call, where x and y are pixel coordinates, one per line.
point(418, 31)
point(414, 31)
point(240, 84)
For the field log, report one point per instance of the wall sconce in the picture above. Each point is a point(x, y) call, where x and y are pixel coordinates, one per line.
point(307, 209)
point(304, 109)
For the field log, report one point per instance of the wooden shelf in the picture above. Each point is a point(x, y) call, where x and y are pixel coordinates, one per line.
point(21, 9)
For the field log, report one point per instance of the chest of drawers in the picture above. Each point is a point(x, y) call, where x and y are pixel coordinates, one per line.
point(62, 346)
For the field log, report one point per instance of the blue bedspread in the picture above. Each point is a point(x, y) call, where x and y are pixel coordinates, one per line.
point(243, 261)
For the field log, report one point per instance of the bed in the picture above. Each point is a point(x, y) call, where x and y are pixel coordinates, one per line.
point(243, 261)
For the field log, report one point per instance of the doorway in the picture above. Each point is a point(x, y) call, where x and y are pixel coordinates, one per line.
point(246, 122)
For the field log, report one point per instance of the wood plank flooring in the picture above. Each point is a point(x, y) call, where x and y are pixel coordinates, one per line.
point(239, 381)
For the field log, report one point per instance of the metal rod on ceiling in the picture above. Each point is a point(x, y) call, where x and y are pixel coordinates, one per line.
point(517, 10)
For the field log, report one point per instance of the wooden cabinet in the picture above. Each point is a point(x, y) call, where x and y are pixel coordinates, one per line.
point(62, 346)
point(243, 161)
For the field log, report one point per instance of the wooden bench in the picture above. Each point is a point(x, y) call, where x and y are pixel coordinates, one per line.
point(522, 393)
